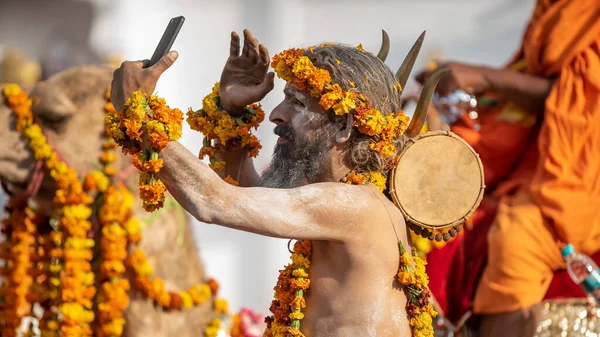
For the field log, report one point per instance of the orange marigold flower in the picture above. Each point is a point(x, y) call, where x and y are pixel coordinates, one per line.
point(152, 193)
point(153, 165)
point(175, 302)
point(158, 140)
point(207, 151)
point(406, 278)
point(214, 286)
point(133, 129)
point(231, 181)
point(107, 157)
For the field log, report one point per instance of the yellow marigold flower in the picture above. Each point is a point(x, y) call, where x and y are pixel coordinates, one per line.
point(200, 293)
point(11, 89)
point(378, 179)
point(298, 303)
point(76, 312)
point(300, 272)
point(346, 105)
point(301, 261)
point(416, 323)
point(186, 300)
point(333, 95)
point(405, 259)
point(155, 126)
point(79, 243)
point(209, 105)
point(303, 67)
point(135, 114)
point(211, 331)
point(217, 165)
point(406, 278)
point(102, 181)
point(114, 328)
point(80, 212)
point(132, 226)
point(174, 131)
point(221, 306)
point(52, 325)
point(297, 315)
point(88, 279)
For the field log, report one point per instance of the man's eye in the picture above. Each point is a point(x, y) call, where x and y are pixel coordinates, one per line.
point(54, 121)
point(298, 103)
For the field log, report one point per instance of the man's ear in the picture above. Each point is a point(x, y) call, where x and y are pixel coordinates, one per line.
point(343, 135)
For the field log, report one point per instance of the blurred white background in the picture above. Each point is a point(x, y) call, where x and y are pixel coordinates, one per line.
point(246, 265)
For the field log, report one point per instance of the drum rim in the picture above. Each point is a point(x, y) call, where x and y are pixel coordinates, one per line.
point(392, 180)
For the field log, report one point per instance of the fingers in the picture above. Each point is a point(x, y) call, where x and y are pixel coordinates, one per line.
point(234, 48)
point(267, 84)
point(164, 63)
point(246, 48)
point(252, 46)
point(263, 55)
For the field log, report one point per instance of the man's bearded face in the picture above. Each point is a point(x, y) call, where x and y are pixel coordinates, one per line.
point(306, 136)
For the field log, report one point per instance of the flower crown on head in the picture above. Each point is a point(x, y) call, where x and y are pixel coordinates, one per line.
point(294, 67)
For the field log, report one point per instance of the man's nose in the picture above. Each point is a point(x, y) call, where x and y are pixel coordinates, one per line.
point(280, 115)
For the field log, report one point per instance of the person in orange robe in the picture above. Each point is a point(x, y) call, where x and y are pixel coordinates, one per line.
point(552, 196)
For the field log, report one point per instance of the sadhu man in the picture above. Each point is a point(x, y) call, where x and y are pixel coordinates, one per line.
point(354, 228)
point(541, 153)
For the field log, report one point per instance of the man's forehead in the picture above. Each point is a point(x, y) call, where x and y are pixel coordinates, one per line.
point(292, 90)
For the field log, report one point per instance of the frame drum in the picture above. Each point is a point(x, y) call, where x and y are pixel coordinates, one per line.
point(438, 181)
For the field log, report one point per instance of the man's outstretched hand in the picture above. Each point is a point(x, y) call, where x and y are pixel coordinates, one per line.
point(470, 78)
point(245, 78)
point(132, 76)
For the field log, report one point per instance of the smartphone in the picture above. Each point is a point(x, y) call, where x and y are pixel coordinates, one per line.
point(166, 41)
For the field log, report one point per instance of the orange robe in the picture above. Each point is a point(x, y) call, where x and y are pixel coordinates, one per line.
point(553, 196)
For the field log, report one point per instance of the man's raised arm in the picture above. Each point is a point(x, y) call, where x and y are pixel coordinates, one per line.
point(245, 80)
point(326, 211)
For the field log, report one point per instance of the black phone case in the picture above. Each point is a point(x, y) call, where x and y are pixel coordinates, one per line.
point(167, 40)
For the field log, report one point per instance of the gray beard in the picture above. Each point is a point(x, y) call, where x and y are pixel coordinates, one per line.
point(297, 163)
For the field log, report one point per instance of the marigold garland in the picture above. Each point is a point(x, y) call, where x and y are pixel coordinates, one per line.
point(76, 279)
point(225, 132)
point(60, 258)
point(162, 124)
point(154, 288)
point(294, 67)
point(416, 282)
point(289, 301)
point(20, 229)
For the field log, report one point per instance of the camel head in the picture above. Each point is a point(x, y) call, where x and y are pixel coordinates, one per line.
point(69, 107)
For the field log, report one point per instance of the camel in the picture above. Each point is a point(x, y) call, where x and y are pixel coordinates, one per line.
point(70, 109)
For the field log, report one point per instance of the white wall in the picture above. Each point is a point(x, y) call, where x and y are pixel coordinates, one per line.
point(483, 31)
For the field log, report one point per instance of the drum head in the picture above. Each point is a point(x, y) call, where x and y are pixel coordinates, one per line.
point(438, 181)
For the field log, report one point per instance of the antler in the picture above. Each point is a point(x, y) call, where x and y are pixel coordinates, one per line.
point(418, 119)
point(385, 46)
point(404, 71)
